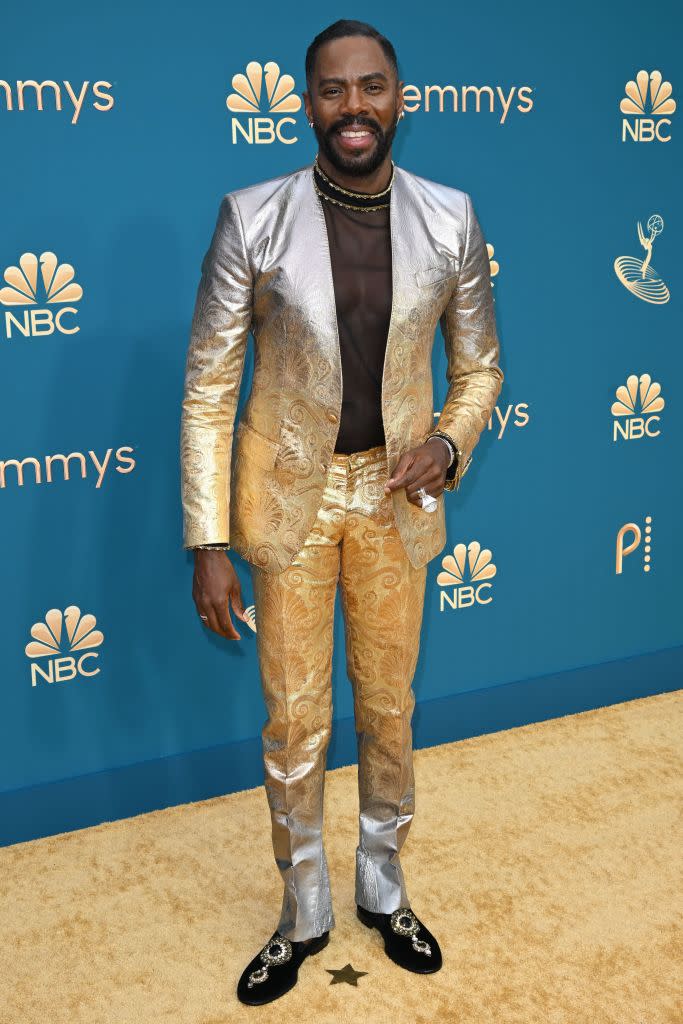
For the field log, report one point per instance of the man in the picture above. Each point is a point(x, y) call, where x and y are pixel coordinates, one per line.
point(341, 270)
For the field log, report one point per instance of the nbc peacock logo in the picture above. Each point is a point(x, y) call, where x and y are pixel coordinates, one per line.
point(635, 410)
point(466, 577)
point(64, 646)
point(263, 98)
point(35, 284)
point(647, 105)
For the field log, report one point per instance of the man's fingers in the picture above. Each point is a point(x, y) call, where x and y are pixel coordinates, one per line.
point(227, 628)
point(397, 478)
point(415, 476)
point(215, 586)
point(211, 622)
point(424, 473)
point(236, 601)
point(218, 620)
point(431, 482)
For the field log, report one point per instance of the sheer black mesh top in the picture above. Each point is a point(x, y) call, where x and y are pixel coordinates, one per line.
point(360, 250)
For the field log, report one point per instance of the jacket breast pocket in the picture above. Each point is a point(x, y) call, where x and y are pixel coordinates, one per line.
point(255, 446)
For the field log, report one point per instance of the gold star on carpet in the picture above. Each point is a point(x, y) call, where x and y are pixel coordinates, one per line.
point(346, 974)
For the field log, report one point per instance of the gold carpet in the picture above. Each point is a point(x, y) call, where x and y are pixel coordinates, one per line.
point(546, 860)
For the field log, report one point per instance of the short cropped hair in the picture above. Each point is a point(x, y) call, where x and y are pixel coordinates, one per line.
point(340, 29)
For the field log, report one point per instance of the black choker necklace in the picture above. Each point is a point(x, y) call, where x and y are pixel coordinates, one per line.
point(329, 190)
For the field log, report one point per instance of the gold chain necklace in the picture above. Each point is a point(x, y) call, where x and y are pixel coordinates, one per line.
point(338, 202)
point(364, 195)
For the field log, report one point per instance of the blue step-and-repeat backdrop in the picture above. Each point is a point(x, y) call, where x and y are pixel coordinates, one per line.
point(559, 588)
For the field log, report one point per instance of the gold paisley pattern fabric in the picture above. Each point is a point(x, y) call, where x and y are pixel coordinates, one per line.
point(354, 544)
point(268, 271)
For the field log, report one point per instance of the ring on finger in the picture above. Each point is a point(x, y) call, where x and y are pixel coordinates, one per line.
point(429, 502)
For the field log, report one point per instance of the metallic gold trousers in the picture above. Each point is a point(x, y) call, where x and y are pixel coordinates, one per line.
point(354, 542)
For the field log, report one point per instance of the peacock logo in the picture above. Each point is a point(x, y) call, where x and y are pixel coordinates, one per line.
point(37, 282)
point(58, 281)
point(266, 97)
point(64, 646)
point(466, 576)
point(635, 410)
point(647, 105)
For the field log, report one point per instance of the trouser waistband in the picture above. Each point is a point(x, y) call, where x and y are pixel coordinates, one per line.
point(375, 454)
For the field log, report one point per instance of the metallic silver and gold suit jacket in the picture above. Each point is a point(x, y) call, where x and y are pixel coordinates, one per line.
point(258, 485)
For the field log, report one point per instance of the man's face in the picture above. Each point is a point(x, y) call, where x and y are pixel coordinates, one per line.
point(354, 90)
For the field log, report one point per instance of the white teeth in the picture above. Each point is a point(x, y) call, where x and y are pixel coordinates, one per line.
point(355, 135)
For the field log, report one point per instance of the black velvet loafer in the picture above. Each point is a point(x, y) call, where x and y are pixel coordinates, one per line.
point(406, 940)
point(275, 969)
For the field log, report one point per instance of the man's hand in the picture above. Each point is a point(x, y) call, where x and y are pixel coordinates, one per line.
point(424, 466)
point(214, 587)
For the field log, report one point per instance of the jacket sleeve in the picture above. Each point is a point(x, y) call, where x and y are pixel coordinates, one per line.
point(213, 374)
point(474, 377)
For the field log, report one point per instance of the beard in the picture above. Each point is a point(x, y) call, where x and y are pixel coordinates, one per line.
point(356, 164)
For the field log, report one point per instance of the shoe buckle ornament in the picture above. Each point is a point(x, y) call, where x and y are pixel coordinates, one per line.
point(404, 922)
point(277, 950)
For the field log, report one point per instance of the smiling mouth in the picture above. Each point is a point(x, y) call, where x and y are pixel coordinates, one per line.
point(358, 138)
point(355, 133)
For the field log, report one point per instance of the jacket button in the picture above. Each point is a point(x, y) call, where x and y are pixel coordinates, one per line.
point(332, 416)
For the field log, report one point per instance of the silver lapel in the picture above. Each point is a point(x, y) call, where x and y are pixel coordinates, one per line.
point(405, 256)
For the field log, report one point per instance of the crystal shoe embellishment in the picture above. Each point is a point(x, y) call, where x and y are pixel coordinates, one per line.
point(404, 922)
point(277, 951)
